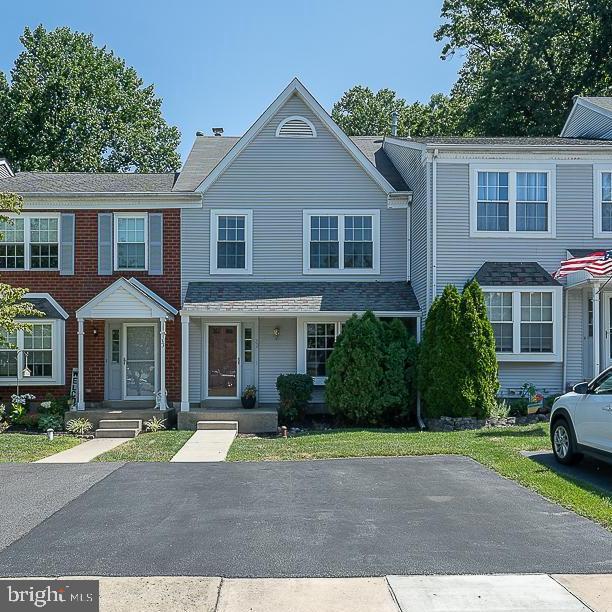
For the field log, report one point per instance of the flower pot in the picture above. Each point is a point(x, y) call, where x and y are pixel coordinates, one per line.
point(248, 402)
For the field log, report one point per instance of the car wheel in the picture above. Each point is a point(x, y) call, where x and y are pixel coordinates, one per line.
point(563, 443)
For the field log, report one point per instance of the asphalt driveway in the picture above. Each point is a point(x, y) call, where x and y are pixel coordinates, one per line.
point(354, 517)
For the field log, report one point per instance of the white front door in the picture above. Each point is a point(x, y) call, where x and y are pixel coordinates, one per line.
point(139, 361)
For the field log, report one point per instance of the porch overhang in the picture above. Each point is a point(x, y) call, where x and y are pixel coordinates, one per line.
point(126, 299)
point(292, 299)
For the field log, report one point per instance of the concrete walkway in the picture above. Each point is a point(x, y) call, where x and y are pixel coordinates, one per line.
point(84, 452)
point(507, 593)
point(206, 446)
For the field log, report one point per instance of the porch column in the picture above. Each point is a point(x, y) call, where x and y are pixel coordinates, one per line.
point(596, 332)
point(163, 404)
point(184, 362)
point(81, 366)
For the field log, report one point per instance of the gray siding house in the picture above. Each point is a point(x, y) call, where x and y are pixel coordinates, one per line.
point(300, 228)
point(507, 211)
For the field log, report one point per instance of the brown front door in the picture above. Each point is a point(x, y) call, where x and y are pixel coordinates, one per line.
point(222, 361)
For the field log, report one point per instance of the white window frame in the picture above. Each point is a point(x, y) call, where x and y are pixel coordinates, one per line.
point(293, 118)
point(598, 170)
point(557, 322)
point(130, 215)
point(341, 213)
point(248, 237)
point(512, 169)
point(302, 342)
point(59, 357)
point(27, 219)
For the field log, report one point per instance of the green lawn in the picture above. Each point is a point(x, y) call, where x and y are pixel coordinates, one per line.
point(23, 448)
point(158, 446)
point(495, 448)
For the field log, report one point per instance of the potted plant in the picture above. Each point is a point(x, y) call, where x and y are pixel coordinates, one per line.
point(249, 397)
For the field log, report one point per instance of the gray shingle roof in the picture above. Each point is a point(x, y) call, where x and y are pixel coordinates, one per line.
point(509, 140)
point(514, 274)
point(88, 182)
point(206, 153)
point(301, 297)
point(371, 147)
point(604, 102)
point(44, 305)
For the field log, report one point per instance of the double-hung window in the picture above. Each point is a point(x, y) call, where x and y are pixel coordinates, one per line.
point(30, 242)
point(130, 241)
point(339, 241)
point(512, 202)
point(526, 323)
point(231, 242)
point(316, 340)
point(602, 214)
point(37, 350)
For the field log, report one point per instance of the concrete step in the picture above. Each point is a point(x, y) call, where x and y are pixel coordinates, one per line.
point(120, 424)
point(209, 425)
point(117, 433)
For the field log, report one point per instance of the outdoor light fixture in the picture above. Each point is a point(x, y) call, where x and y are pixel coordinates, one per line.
point(276, 332)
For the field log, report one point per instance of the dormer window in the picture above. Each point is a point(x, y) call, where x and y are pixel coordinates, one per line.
point(296, 127)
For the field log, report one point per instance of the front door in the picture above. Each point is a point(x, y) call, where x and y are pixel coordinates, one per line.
point(114, 352)
point(139, 361)
point(222, 361)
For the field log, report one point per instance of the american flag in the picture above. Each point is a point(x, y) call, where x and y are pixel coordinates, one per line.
point(597, 263)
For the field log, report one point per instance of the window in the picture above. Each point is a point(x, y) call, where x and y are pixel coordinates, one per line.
point(39, 349)
point(29, 243)
point(130, 242)
point(320, 339)
point(296, 127)
point(344, 242)
point(526, 323)
point(536, 322)
point(248, 344)
point(499, 307)
point(508, 202)
point(231, 242)
point(115, 345)
point(602, 214)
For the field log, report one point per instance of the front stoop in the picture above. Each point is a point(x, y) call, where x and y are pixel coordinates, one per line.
point(257, 420)
point(119, 428)
point(212, 425)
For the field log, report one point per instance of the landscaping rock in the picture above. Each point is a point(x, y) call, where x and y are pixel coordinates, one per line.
point(471, 423)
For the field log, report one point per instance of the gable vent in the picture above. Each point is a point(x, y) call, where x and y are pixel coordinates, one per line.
point(296, 127)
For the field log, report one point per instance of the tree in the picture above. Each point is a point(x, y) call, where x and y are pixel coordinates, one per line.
point(72, 106)
point(525, 60)
point(361, 112)
point(478, 349)
point(355, 372)
point(12, 306)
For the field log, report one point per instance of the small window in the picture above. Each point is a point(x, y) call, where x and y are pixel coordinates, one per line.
point(130, 242)
point(324, 242)
point(8, 354)
point(44, 239)
point(536, 322)
point(531, 202)
point(320, 340)
point(248, 345)
point(296, 127)
point(493, 202)
point(358, 242)
point(231, 242)
point(12, 244)
point(606, 201)
point(115, 346)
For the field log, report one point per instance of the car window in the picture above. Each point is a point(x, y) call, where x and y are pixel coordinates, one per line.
point(604, 387)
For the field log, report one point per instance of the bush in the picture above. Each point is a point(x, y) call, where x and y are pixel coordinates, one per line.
point(50, 421)
point(457, 372)
point(79, 427)
point(355, 372)
point(295, 391)
point(54, 405)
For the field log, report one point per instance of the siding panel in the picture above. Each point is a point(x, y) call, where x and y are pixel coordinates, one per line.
point(276, 356)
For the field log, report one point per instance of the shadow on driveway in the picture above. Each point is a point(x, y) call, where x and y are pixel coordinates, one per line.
point(589, 471)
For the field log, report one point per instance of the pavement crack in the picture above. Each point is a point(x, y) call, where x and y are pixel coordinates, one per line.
point(219, 594)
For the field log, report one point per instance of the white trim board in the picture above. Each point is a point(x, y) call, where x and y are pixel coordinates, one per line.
point(296, 87)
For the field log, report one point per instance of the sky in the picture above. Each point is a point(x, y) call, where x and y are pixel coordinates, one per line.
point(222, 63)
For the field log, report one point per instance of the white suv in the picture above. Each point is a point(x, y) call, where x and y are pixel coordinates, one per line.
point(581, 421)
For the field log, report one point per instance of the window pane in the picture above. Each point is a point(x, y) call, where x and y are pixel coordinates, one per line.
point(44, 256)
point(320, 339)
point(324, 254)
point(130, 255)
point(492, 206)
point(536, 337)
point(503, 337)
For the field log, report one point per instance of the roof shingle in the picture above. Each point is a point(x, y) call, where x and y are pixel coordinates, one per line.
point(301, 297)
point(514, 274)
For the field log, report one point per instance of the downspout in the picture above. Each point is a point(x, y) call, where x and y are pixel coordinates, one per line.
point(434, 229)
point(420, 421)
point(565, 321)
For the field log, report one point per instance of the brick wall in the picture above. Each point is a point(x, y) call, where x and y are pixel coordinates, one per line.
point(71, 292)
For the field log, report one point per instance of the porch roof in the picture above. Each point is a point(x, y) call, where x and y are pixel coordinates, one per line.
point(301, 297)
point(514, 274)
point(47, 305)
